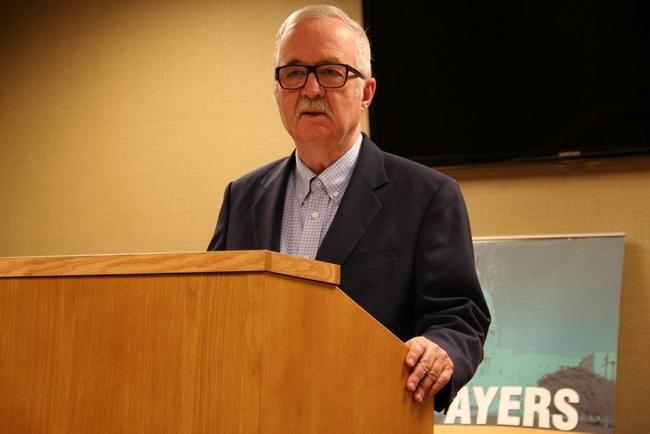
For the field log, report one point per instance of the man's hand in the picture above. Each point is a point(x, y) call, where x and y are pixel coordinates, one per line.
point(431, 368)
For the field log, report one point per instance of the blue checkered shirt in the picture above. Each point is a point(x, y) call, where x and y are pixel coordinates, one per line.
point(311, 202)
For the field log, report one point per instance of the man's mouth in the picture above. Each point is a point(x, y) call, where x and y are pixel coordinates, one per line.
point(312, 113)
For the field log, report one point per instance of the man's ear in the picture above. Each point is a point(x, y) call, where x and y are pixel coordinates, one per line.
point(369, 87)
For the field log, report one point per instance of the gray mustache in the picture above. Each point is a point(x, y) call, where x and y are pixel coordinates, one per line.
point(313, 105)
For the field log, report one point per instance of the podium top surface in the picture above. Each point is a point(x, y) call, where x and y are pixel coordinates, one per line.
point(170, 263)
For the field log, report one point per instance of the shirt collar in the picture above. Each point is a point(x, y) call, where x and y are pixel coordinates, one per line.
point(335, 178)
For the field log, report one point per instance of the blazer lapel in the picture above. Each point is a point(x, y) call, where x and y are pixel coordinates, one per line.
point(268, 207)
point(358, 208)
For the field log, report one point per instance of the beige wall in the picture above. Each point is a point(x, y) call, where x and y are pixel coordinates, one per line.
point(590, 197)
point(120, 126)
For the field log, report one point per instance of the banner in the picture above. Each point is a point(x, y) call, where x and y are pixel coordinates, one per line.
point(550, 355)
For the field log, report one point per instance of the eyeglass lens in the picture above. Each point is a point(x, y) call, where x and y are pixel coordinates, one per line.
point(295, 76)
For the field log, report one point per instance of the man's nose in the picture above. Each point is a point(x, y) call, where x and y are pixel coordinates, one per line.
point(312, 87)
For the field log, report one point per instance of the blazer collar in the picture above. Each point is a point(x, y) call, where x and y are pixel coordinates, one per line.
point(359, 206)
point(268, 206)
point(358, 209)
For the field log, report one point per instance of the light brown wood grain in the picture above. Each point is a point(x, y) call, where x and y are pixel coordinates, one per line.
point(156, 263)
point(233, 352)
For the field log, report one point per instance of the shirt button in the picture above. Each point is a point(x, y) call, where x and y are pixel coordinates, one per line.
point(314, 215)
point(335, 194)
point(318, 183)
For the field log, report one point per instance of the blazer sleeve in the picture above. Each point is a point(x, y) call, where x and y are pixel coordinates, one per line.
point(450, 308)
point(219, 238)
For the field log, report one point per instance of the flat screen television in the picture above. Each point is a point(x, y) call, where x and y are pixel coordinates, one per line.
point(473, 82)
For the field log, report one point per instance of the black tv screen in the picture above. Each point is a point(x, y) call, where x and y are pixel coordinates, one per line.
point(468, 82)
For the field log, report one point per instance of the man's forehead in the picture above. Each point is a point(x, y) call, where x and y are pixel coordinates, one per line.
point(320, 61)
point(318, 41)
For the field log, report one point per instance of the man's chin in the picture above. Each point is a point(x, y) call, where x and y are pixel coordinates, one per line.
point(314, 133)
point(309, 124)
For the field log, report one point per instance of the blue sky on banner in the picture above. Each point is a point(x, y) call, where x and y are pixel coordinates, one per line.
point(555, 304)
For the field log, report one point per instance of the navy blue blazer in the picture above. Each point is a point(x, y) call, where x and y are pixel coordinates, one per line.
point(402, 238)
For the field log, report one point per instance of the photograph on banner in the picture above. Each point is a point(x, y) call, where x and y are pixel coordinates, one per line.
point(551, 351)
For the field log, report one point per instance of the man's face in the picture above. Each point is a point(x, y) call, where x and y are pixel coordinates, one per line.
point(312, 42)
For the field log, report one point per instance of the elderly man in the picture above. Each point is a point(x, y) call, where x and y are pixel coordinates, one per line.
point(398, 229)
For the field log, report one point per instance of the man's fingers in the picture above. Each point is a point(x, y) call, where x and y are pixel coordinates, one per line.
point(434, 380)
point(414, 353)
point(417, 374)
point(430, 376)
point(421, 369)
point(431, 368)
point(442, 380)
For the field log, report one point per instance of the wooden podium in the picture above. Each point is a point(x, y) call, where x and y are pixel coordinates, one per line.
point(249, 342)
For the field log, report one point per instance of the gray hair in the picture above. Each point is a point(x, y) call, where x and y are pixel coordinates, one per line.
point(320, 11)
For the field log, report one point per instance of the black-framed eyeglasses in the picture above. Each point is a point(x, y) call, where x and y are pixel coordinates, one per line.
point(329, 75)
